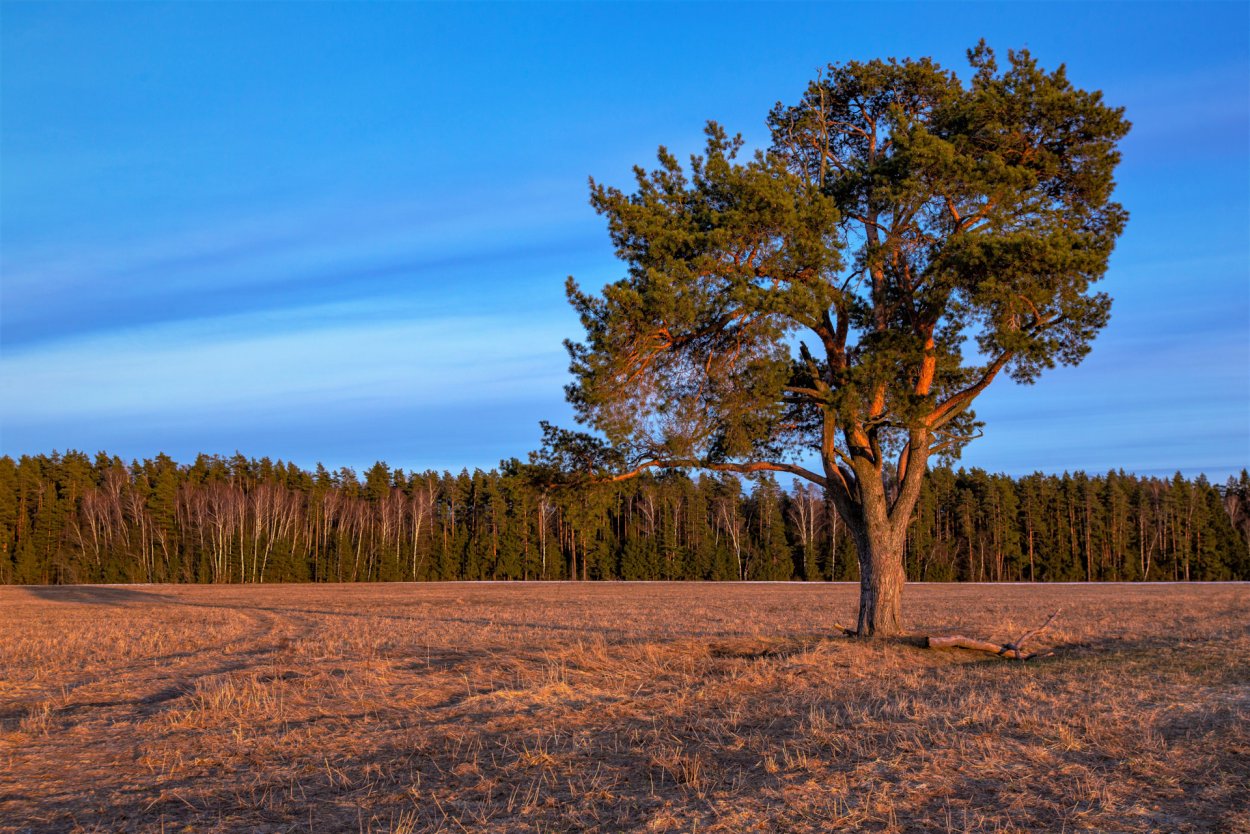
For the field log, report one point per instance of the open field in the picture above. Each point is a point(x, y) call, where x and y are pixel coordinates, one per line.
point(618, 707)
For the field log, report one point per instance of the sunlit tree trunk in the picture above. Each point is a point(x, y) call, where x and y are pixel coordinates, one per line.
point(881, 579)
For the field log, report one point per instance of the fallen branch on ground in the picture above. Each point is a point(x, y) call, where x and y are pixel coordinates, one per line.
point(1014, 649)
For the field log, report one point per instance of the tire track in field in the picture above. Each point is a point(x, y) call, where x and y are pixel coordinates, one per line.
point(282, 629)
point(150, 681)
point(120, 709)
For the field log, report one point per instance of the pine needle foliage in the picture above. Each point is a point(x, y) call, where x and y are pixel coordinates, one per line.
point(847, 293)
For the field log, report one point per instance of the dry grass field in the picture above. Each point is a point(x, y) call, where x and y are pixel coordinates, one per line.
point(618, 707)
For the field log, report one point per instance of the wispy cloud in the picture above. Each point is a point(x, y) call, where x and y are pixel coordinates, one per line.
point(317, 357)
point(410, 250)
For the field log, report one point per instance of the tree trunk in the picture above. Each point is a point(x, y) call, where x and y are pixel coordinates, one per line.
point(879, 529)
point(881, 579)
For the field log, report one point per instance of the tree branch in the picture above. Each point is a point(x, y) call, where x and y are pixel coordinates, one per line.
point(1014, 650)
point(951, 440)
point(811, 393)
point(950, 409)
point(739, 468)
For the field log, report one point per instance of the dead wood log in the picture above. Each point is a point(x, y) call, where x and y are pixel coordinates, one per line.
point(1014, 649)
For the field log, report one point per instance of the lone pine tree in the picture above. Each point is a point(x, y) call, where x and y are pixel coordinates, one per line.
point(815, 300)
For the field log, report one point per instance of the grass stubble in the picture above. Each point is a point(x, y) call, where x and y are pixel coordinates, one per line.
point(618, 707)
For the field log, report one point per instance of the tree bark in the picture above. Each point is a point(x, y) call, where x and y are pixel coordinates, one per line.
point(881, 579)
point(878, 526)
point(883, 575)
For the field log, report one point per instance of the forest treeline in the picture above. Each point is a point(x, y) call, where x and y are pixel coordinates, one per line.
point(74, 519)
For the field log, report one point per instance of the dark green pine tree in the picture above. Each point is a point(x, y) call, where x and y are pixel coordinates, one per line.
point(1236, 496)
point(510, 508)
point(1004, 512)
point(162, 474)
point(772, 559)
point(1217, 551)
point(35, 535)
point(8, 519)
point(700, 549)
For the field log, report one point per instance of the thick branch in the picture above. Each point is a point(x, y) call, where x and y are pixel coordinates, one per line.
point(951, 409)
point(1014, 649)
point(811, 393)
point(840, 481)
point(928, 365)
point(739, 468)
point(639, 358)
point(913, 460)
point(951, 440)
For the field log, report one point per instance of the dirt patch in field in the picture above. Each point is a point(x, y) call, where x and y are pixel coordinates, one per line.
point(618, 707)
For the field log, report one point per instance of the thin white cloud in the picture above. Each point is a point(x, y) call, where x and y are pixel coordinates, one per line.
point(298, 359)
point(267, 247)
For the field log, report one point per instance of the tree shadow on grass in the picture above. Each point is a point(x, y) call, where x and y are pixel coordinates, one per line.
point(109, 595)
point(458, 766)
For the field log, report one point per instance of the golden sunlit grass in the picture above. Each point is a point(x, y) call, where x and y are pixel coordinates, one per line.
point(618, 707)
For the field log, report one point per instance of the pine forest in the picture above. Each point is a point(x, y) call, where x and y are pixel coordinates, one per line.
point(65, 518)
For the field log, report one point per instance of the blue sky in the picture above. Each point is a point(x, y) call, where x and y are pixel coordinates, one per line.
point(339, 233)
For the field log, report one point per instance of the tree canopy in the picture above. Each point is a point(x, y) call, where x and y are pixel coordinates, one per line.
point(847, 293)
